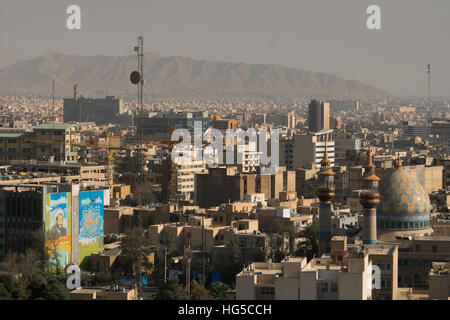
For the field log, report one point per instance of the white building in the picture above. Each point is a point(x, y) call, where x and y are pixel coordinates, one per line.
point(303, 150)
point(318, 279)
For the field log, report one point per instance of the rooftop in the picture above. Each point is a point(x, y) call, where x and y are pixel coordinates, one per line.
point(54, 126)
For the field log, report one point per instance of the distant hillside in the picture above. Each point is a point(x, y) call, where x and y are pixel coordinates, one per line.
point(176, 77)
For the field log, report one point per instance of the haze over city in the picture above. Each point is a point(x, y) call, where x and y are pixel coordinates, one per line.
point(320, 36)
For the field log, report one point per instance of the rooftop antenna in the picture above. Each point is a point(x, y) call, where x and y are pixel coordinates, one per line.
point(53, 100)
point(140, 54)
point(429, 94)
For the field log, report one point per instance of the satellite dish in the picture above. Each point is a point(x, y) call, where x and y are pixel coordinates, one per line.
point(135, 77)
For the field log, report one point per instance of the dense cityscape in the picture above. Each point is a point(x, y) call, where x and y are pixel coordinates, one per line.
point(160, 228)
point(244, 196)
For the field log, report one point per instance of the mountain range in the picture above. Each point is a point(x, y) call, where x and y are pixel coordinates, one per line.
point(175, 77)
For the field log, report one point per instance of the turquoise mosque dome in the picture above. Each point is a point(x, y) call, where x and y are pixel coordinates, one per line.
point(404, 203)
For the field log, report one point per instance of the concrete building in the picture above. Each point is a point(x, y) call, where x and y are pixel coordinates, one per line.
point(282, 119)
point(111, 293)
point(157, 125)
point(49, 142)
point(318, 116)
point(416, 257)
point(118, 219)
point(100, 111)
point(27, 204)
point(439, 281)
point(273, 219)
point(26, 208)
point(16, 146)
point(346, 149)
point(298, 279)
point(304, 150)
point(445, 163)
point(225, 184)
point(55, 141)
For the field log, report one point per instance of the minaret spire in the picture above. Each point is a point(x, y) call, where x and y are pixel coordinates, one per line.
point(398, 164)
point(369, 200)
point(325, 192)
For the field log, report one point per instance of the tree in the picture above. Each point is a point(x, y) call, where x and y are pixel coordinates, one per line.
point(147, 196)
point(219, 290)
point(29, 276)
point(136, 246)
point(166, 241)
point(171, 290)
point(236, 263)
point(10, 289)
point(309, 247)
point(276, 243)
point(199, 293)
point(103, 279)
point(46, 286)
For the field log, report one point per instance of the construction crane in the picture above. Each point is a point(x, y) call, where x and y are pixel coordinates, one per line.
point(110, 150)
point(167, 145)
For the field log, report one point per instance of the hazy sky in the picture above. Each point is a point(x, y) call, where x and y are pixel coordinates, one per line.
point(319, 35)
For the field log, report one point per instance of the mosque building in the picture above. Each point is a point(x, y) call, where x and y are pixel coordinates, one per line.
point(404, 208)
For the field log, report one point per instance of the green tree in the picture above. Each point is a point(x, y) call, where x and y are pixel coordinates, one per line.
point(10, 289)
point(199, 293)
point(171, 290)
point(147, 197)
point(103, 279)
point(136, 246)
point(309, 247)
point(236, 263)
point(166, 241)
point(219, 290)
point(276, 244)
point(46, 286)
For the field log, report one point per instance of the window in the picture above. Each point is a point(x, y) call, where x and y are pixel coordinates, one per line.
point(418, 247)
point(334, 287)
point(434, 248)
point(417, 278)
point(324, 287)
point(268, 291)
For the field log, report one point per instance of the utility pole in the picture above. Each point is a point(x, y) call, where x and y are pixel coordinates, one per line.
point(53, 98)
point(429, 94)
point(203, 252)
point(165, 264)
point(188, 271)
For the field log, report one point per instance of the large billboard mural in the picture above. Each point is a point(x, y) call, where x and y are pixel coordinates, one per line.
point(91, 223)
point(58, 226)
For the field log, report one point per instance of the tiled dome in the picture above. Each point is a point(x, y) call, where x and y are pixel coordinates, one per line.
point(404, 203)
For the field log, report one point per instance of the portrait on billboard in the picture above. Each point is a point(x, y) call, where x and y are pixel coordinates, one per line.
point(58, 228)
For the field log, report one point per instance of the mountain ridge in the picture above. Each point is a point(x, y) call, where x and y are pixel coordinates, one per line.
point(176, 76)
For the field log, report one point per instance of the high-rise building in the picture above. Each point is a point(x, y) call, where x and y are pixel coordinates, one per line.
point(282, 119)
point(100, 111)
point(73, 221)
point(304, 150)
point(318, 116)
point(157, 125)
